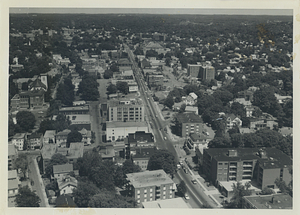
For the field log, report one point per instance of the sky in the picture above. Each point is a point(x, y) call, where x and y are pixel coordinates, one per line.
point(275, 12)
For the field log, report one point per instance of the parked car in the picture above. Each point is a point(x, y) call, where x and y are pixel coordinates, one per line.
point(194, 181)
point(186, 196)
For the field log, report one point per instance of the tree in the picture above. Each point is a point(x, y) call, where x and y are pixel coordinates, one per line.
point(238, 109)
point(265, 99)
point(56, 159)
point(27, 198)
point(237, 140)
point(65, 92)
point(169, 102)
point(130, 167)
point(182, 108)
point(181, 188)
point(108, 74)
point(89, 160)
point(106, 199)
point(239, 191)
point(84, 191)
point(252, 140)
point(162, 159)
point(123, 87)
point(73, 137)
point(102, 177)
point(88, 88)
point(21, 163)
point(26, 120)
point(283, 187)
point(111, 89)
point(46, 125)
point(267, 191)
point(219, 142)
point(224, 95)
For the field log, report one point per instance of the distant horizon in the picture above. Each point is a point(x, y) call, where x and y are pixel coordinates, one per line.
point(154, 11)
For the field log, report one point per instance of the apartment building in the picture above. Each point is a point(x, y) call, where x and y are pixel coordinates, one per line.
point(189, 123)
point(207, 72)
point(193, 70)
point(12, 155)
point(18, 140)
point(151, 186)
point(126, 110)
point(263, 165)
point(277, 201)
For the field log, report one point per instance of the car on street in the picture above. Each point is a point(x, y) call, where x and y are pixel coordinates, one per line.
point(165, 138)
point(194, 181)
point(186, 196)
point(185, 170)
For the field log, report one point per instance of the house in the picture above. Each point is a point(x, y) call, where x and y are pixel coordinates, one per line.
point(49, 136)
point(166, 204)
point(12, 155)
point(119, 130)
point(62, 136)
point(18, 140)
point(262, 165)
point(194, 139)
point(86, 136)
point(107, 152)
point(275, 201)
point(48, 151)
point(191, 109)
point(13, 187)
point(67, 184)
point(191, 99)
point(151, 186)
point(61, 171)
point(265, 121)
point(65, 201)
point(142, 155)
point(282, 99)
point(124, 64)
point(145, 64)
point(188, 123)
point(232, 120)
point(286, 131)
point(72, 153)
point(35, 141)
point(152, 46)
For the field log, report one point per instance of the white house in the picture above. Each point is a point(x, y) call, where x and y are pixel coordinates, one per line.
point(18, 140)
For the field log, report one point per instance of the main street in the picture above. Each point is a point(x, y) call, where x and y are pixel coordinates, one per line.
point(197, 196)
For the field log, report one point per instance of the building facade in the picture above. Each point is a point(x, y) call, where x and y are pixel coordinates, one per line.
point(151, 186)
point(207, 73)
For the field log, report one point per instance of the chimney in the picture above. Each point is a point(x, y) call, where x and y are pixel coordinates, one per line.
point(232, 153)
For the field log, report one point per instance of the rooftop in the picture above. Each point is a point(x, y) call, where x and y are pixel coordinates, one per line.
point(125, 124)
point(48, 150)
point(49, 134)
point(35, 135)
point(65, 201)
point(19, 136)
point(11, 150)
point(274, 158)
point(62, 168)
point(188, 118)
point(13, 184)
point(277, 201)
point(86, 107)
point(149, 178)
point(166, 203)
point(63, 133)
point(144, 152)
point(12, 174)
point(140, 136)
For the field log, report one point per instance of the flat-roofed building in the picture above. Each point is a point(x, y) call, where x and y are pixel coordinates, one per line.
point(275, 201)
point(130, 110)
point(141, 156)
point(151, 186)
point(74, 110)
point(49, 136)
point(189, 123)
point(262, 165)
point(13, 187)
point(12, 155)
point(166, 203)
point(207, 72)
point(119, 130)
point(35, 141)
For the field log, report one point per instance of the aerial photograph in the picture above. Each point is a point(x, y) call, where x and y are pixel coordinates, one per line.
point(143, 108)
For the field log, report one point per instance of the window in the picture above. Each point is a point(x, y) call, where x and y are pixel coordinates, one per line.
point(164, 197)
point(150, 194)
point(145, 191)
point(150, 199)
point(171, 187)
point(145, 195)
point(164, 192)
point(138, 196)
point(138, 201)
point(164, 188)
point(138, 191)
point(171, 196)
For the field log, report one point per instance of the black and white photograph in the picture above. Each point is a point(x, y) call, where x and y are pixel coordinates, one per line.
point(150, 108)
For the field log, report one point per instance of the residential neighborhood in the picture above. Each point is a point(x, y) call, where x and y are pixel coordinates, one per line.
point(192, 112)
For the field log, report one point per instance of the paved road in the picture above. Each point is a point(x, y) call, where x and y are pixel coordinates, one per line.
point(95, 121)
point(35, 177)
point(197, 196)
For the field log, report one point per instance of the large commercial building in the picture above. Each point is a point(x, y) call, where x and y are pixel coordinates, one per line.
point(126, 110)
point(119, 130)
point(262, 165)
point(189, 123)
point(277, 201)
point(151, 186)
point(207, 73)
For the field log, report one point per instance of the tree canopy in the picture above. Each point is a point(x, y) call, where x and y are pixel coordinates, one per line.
point(162, 159)
point(73, 137)
point(22, 163)
point(84, 191)
point(26, 120)
point(88, 88)
point(27, 198)
point(56, 159)
point(123, 87)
